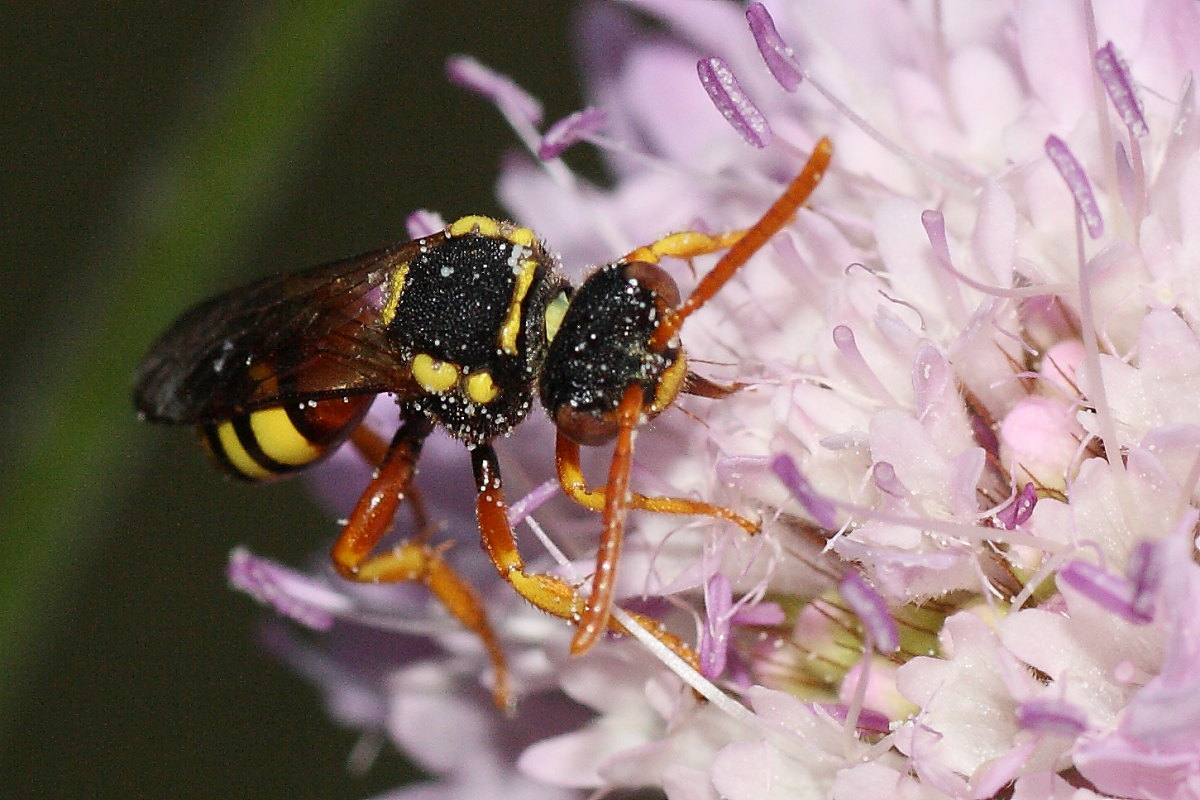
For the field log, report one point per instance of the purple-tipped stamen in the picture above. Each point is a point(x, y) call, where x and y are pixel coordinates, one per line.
point(720, 617)
point(887, 482)
point(1055, 717)
point(569, 130)
point(847, 345)
point(872, 611)
point(292, 594)
point(726, 94)
point(1111, 592)
point(869, 721)
point(821, 509)
point(761, 614)
point(1076, 179)
point(1145, 575)
point(470, 74)
point(518, 511)
point(779, 57)
point(1019, 510)
point(718, 621)
point(422, 223)
point(935, 228)
point(1115, 77)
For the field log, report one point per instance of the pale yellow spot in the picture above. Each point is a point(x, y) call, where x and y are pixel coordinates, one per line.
point(669, 385)
point(433, 375)
point(481, 388)
point(555, 313)
point(512, 320)
point(395, 287)
point(522, 236)
point(485, 225)
point(237, 454)
point(279, 439)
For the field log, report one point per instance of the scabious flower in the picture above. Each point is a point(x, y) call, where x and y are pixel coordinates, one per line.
point(968, 421)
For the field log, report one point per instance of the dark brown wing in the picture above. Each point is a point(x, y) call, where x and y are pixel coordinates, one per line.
point(290, 338)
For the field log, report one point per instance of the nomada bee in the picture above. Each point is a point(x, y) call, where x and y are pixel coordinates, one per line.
point(464, 328)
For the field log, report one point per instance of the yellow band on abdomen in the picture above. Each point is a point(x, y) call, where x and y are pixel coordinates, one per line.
point(279, 440)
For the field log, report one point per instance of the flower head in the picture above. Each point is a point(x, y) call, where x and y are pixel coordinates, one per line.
point(967, 410)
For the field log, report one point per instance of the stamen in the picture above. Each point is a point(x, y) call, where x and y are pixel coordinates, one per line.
point(935, 228)
point(869, 721)
point(1111, 592)
point(762, 613)
point(1114, 75)
point(843, 339)
point(821, 509)
point(1144, 573)
point(292, 594)
point(470, 74)
point(726, 94)
point(1020, 509)
point(780, 58)
point(518, 511)
point(569, 130)
point(714, 635)
point(885, 478)
point(1056, 717)
point(1076, 179)
point(424, 223)
point(721, 614)
point(870, 608)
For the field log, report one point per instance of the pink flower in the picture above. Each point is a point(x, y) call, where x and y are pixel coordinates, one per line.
point(971, 372)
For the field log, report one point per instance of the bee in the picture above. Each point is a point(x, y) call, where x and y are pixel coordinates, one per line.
point(464, 328)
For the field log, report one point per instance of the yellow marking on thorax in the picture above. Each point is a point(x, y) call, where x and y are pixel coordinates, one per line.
point(472, 224)
point(481, 388)
point(395, 287)
point(512, 320)
point(433, 375)
point(237, 455)
point(276, 434)
point(555, 313)
point(491, 227)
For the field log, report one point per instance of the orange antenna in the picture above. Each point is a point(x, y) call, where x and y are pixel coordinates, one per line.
point(758, 235)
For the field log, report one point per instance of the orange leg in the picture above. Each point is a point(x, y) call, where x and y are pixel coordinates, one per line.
point(413, 560)
point(549, 593)
point(570, 476)
point(374, 448)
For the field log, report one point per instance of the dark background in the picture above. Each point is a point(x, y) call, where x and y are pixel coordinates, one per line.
point(127, 667)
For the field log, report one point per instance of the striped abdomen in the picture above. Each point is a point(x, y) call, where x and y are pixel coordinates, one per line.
point(272, 442)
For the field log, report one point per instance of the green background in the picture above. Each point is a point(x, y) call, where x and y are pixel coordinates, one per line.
point(153, 152)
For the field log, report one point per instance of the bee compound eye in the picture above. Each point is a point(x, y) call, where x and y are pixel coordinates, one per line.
point(655, 279)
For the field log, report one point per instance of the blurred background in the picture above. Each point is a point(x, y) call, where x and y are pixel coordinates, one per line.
point(153, 153)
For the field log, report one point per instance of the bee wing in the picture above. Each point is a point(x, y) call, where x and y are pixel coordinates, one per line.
point(309, 335)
